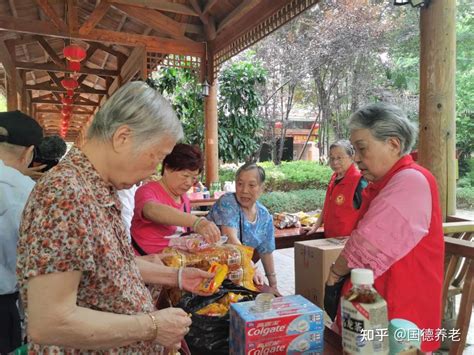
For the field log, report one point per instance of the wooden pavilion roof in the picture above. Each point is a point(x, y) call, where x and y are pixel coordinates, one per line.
point(125, 40)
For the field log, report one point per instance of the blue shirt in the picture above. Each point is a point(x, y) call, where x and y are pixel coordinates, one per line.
point(259, 234)
point(14, 191)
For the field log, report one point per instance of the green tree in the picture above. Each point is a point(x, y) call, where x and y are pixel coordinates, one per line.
point(182, 88)
point(240, 126)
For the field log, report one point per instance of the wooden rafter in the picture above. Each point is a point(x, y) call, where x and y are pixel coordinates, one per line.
point(119, 55)
point(156, 44)
point(156, 20)
point(52, 14)
point(54, 68)
point(50, 51)
point(162, 5)
point(209, 6)
point(57, 102)
point(83, 89)
point(208, 21)
point(74, 112)
point(72, 18)
point(238, 13)
point(95, 17)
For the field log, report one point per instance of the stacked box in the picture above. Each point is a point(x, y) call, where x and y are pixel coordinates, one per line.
point(293, 325)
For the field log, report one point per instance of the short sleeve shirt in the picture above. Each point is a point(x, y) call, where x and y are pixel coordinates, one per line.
point(259, 234)
point(150, 236)
point(72, 222)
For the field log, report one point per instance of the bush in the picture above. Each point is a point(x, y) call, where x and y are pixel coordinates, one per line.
point(289, 176)
point(465, 198)
point(293, 201)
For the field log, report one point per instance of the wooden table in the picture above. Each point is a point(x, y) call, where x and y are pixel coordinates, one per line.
point(202, 202)
point(286, 238)
point(332, 342)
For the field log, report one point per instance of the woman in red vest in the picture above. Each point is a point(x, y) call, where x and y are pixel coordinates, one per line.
point(343, 196)
point(399, 234)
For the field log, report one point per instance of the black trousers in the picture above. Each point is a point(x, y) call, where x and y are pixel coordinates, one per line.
point(10, 325)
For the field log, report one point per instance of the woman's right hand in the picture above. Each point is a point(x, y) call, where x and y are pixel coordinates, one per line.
point(173, 324)
point(208, 230)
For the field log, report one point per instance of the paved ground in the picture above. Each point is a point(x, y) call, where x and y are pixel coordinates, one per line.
point(285, 269)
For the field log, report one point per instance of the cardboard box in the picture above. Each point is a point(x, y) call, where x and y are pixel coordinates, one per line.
point(292, 324)
point(313, 258)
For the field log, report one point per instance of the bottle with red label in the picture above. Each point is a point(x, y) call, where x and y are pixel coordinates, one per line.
point(364, 317)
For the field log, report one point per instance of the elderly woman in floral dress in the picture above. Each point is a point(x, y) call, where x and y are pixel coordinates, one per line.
point(82, 286)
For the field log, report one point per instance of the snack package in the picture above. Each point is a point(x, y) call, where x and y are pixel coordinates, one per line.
point(213, 310)
point(238, 258)
point(285, 220)
point(194, 242)
point(212, 284)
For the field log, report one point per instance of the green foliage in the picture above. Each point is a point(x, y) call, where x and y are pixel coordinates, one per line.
point(239, 124)
point(464, 84)
point(289, 176)
point(465, 198)
point(182, 88)
point(294, 201)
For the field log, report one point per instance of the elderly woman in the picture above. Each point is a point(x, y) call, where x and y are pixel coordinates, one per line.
point(162, 208)
point(245, 220)
point(344, 194)
point(82, 286)
point(399, 234)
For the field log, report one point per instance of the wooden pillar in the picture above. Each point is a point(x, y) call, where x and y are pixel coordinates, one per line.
point(211, 146)
point(12, 98)
point(437, 98)
point(24, 93)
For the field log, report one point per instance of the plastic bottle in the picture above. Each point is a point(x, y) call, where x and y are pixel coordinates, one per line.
point(364, 316)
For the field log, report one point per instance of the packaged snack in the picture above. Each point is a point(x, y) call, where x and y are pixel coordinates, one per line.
point(214, 310)
point(212, 284)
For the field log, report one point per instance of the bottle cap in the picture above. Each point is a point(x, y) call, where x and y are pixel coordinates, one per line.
point(362, 276)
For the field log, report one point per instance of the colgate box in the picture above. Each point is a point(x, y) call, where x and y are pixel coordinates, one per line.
point(293, 325)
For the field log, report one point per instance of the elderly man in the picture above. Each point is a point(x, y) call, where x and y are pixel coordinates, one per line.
point(83, 289)
point(19, 134)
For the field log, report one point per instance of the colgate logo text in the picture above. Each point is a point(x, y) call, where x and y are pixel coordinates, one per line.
point(265, 331)
point(265, 351)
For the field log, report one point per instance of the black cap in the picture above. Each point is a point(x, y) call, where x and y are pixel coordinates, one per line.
point(22, 129)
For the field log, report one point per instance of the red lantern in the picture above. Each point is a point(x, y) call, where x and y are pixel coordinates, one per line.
point(69, 84)
point(74, 66)
point(74, 53)
point(66, 100)
point(69, 92)
point(278, 124)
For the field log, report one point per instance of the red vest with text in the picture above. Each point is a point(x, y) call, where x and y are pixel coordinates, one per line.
point(413, 285)
point(340, 217)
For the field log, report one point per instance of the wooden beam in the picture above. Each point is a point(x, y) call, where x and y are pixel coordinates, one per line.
point(211, 136)
point(6, 59)
point(95, 17)
point(50, 51)
point(72, 18)
point(37, 101)
point(155, 20)
point(237, 14)
point(54, 68)
point(52, 14)
point(156, 44)
point(262, 11)
point(159, 5)
point(209, 6)
point(437, 106)
point(83, 89)
point(208, 21)
point(74, 112)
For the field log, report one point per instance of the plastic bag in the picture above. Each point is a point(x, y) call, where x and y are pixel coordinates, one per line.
point(210, 334)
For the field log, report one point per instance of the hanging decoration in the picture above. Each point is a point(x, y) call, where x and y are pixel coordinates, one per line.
point(74, 53)
point(69, 83)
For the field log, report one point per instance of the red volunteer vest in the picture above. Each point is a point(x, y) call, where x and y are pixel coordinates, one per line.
point(339, 215)
point(413, 285)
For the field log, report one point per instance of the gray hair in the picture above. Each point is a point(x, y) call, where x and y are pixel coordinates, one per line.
point(385, 121)
point(345, 144)
point(140, 107)
point(251, 166)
